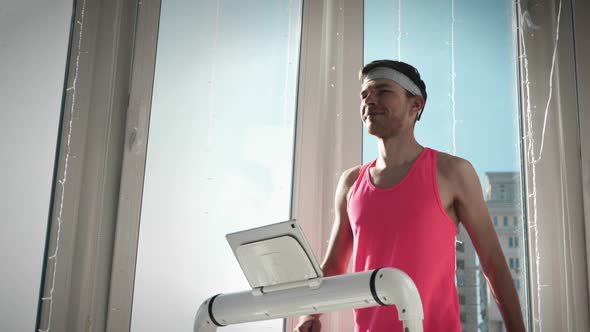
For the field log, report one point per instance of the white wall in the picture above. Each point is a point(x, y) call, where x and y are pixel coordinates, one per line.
point(34, 39)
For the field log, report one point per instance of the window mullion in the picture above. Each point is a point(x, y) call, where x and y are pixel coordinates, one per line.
point(329, 132)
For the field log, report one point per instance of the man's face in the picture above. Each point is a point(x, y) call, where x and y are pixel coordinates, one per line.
point(386, 110)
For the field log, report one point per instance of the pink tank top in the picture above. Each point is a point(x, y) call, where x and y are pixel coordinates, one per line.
point(406, 227)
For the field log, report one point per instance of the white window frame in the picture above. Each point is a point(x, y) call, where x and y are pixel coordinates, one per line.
point(94, 274)
point(75, 282)
point(581, 26)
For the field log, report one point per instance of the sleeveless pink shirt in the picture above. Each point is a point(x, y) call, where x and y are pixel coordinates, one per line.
point(406, 227)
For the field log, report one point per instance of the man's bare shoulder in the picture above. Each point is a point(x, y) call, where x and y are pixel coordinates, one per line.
point(350, 175)
point(347, 180)
point(454, 168)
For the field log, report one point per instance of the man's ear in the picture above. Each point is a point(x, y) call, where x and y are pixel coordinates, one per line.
point(417, 105)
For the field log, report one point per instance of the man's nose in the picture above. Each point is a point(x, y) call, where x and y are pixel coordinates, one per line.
point(371, 102)
point(370, 99)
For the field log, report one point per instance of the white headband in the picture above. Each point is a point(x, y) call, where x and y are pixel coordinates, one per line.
point(393, 75)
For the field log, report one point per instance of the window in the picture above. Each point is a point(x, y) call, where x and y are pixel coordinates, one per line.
point(461, 264)
point(511, 263)
point(460, 281)
point(461, 299)
point(510, 243)
point(517, 284)
point(463, 317)
point(31, 100)
point(516, 242)
point(495, 221)
point(206, 102)
point(505, 221)
point(517, 263)
point(460, 246)
point(515, 221)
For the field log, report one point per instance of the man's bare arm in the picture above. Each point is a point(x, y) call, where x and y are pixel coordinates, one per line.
point(340, 245)
point(472, 211)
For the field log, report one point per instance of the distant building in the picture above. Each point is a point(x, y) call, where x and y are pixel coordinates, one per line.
point(503, 197)
point(479, 311)
point(467, 274)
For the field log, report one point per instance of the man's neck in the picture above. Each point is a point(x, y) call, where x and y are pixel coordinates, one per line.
point(397, 151)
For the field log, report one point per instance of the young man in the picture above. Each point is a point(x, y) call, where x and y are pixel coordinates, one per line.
point(403, 209)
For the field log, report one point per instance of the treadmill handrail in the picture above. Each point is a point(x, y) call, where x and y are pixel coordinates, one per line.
point(386, 286)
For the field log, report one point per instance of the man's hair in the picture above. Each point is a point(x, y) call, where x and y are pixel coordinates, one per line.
point(404, 68)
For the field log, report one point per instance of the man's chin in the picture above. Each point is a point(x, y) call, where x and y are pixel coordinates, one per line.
point(375, 132)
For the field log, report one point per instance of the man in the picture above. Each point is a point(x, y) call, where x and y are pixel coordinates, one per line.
point(403, 209)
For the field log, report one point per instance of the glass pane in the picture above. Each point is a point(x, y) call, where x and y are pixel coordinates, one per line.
point(33, 61)
point(220, 152)
point(466, 53)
